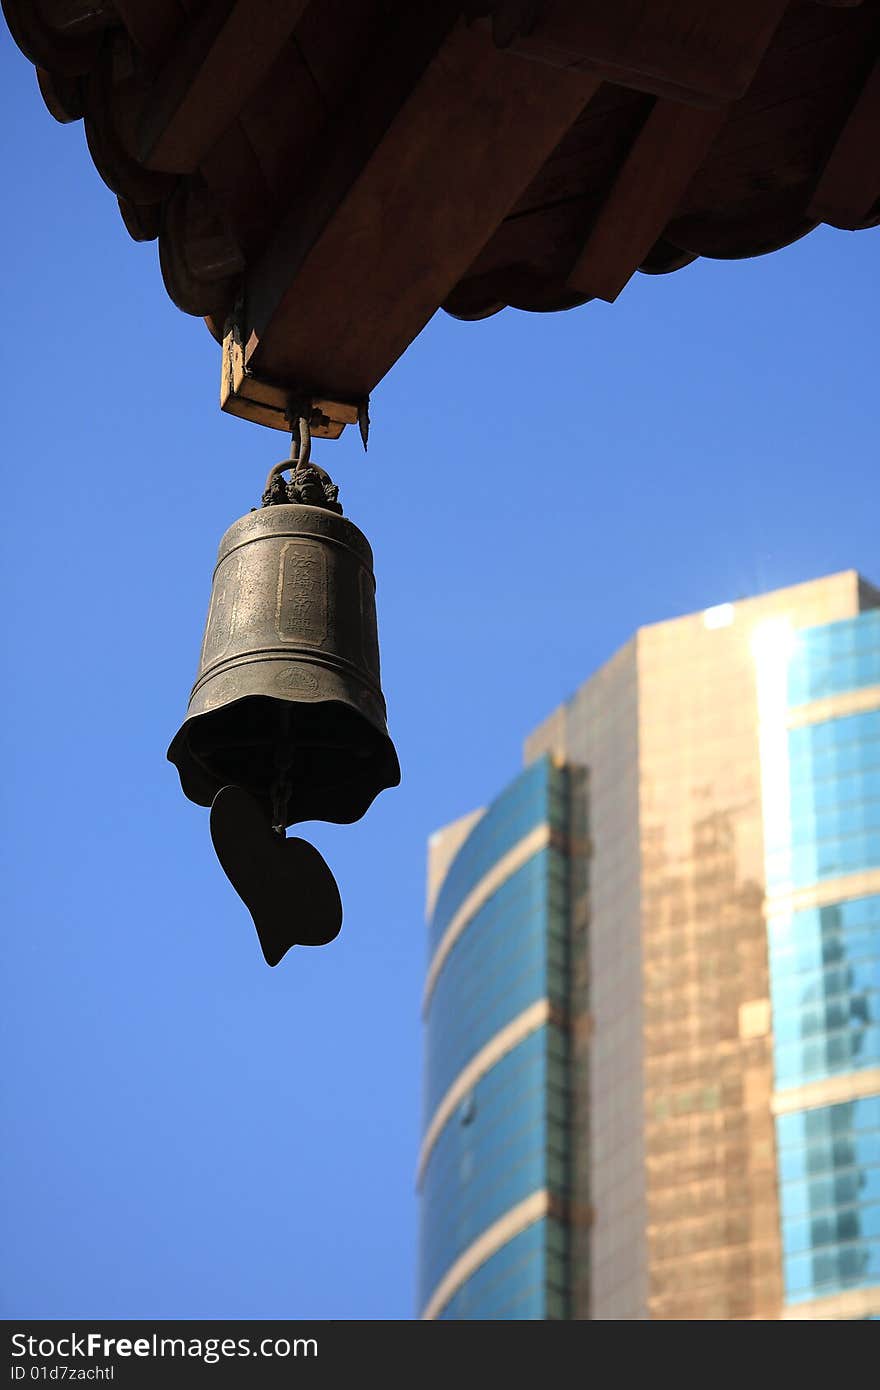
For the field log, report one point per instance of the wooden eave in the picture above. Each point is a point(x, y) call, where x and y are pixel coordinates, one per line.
point(322, 176)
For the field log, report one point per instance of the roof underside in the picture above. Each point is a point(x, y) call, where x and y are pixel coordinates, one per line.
point(322, 176)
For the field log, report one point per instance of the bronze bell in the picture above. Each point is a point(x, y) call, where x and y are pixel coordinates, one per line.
point(287, 703)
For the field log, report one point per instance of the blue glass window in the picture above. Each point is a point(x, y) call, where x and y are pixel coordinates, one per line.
point(834, 818)
point(510, 955)
point(825, 988)
point(509, 1140)
point(537, 797)
point(829, 1185)
point(834, 658)
point(525, 1279)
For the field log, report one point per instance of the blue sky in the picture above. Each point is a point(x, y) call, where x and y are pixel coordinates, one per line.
point(192, 1134)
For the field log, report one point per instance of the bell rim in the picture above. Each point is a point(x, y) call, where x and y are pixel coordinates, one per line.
point(200, 785)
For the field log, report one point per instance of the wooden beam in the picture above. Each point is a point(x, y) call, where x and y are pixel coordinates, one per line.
point(217, 62)
point(151, 24)
point(684, 49)
point(849, 186)
point(668, 150)
point(394, 219)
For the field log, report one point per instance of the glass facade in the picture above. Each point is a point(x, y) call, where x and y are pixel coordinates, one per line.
point(506, 1139)
point(825, 961)
point(834, 780)
point(835, 657)
point(525, 1280)
point(653, 1000)
point(829, 1182)
point(536, 797)
point(712, 1222)
point(508, 957)
point(825, 973)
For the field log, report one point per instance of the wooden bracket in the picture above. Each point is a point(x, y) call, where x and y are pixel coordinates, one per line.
point(265, 402)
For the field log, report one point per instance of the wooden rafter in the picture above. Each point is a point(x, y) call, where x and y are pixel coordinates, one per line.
point(667, 151)
point(218, 61)
point(705, 54)
point(470, 133)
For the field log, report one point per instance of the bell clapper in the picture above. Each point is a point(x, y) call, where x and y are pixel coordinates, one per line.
point(280, 798)
point(282, 787)
point(286, 885)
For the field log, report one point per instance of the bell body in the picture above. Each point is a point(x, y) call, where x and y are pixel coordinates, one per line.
point(287, 691)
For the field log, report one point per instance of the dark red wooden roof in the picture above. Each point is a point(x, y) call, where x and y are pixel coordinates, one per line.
point(321, 176)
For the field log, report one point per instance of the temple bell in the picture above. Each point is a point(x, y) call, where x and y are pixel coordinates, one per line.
point(286, 720)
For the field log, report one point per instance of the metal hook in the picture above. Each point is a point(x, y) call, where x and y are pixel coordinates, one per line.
point(298, 457)
point(299, 416)
point(305, 442)
point(275, 473)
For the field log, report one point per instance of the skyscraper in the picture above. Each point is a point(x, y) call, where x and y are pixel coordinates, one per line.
point(652, 1004)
